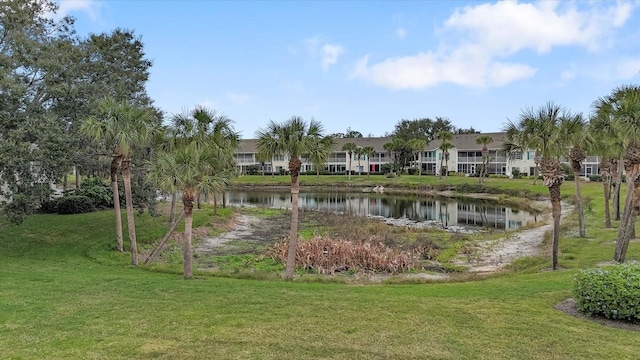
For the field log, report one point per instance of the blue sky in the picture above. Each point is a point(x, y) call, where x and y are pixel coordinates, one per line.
point(368, 64)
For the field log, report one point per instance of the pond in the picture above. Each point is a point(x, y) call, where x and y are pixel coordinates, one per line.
point(446, 212)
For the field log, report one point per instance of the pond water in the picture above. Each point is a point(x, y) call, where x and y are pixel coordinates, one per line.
point(446, 212)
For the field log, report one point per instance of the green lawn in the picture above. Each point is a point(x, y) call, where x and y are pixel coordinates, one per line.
point(65, 295)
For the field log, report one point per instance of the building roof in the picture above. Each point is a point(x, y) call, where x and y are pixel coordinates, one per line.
point(468, 141)
point(459, 141)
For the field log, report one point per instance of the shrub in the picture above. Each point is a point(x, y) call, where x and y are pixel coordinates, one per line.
point(95, 189)
point(75, 205)
point(49, 206)
point(253, 170)
point(412, 171)
point(597, 178)
point(386, 168)
point(516, 173)
point(611, 291)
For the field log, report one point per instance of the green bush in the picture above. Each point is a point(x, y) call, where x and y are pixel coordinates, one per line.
point(253, 170)
point(49, 206)
point(516, 173)
point(94, 188)
point(75, 205)
point(597, 178)
point(611, 291)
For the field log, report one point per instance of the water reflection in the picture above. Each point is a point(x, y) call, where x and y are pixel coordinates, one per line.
point(449, 212)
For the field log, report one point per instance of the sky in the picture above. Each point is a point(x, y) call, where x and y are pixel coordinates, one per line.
point(366, 65)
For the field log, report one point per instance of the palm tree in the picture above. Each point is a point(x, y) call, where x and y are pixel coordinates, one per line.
point(574, 132)
point(262, 159)
point(205, 126)
point(122, 127)
point(445, 146)
point(389, 147)
point(294, 137)
point(368, 151)
point(418, 146)
point(349, 148)
point(484, 140)
point(611, 139)
point(190, 167)
point(605, 140)
point(320, 153)
point(359, 152)
point(625, 109)
point(510, 149)
point(540, 129)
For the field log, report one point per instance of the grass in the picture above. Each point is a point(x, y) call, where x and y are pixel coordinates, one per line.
point(64, 294)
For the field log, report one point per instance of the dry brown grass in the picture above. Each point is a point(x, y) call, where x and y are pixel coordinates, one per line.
point(325, 255)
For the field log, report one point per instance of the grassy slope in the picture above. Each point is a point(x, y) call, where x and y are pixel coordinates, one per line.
point(57, 301)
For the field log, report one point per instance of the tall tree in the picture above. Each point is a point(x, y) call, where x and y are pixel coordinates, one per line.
point(608, 133)
point(606, 141)
point(359, 152)
point(319, 155)
point(445, 146)
point(540, 129)
point(349, 148)
point(36, 54)
point(294, 137)
point(206, 126)
point(484, 140)
point(368, 151)
point(624, 105)
point(190, 167)
point(122, 127)
point(574, 132)
point(418, 146)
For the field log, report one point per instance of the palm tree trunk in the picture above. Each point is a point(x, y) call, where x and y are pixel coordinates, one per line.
point(607, 212)
point(172, 211)
point(187, 258)
point(420, 164)
point(368, 167)
point(215, 204)
point(294, 168)
point(224, 199)
point(131, 225)
point(115, 165)
point(156, 250)
point(77, 178)
point(556, 212)
point(293, 233)
point(65, 183)
point(349, 169)
point(616, 189)
point(624, 235)
point(579, 206)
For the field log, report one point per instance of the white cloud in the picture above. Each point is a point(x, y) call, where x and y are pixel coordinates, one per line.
point(428, 70)
point(628, 68)
point(89, 7)
point(238, 98)
point(330, 54)
point(401, 33)
point(478, 40)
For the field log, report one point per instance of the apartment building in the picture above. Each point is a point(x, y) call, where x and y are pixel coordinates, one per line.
point(465, 157)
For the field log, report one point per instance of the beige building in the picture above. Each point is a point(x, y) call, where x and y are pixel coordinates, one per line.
point(465, 157)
